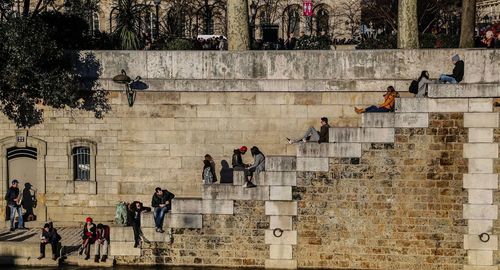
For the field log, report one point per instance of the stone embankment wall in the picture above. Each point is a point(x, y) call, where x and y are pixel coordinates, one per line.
point(386, 193)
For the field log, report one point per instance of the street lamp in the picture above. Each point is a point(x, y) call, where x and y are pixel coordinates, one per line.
point(122, 78)
point(157, 26)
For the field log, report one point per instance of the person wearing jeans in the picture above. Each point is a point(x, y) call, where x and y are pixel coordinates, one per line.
point(458, 72)
point(312, 135)
point(101, 243)
point(12, 197)
point(161, 202)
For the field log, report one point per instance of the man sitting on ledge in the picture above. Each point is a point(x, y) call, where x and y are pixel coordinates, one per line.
point(161, 202)
point(312, 135)
point(458, 71)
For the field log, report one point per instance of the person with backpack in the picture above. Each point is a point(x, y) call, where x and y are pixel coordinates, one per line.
point(208, 173)
point(387, 106)
point(422, 84)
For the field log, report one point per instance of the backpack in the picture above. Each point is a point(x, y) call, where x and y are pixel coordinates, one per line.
point(121, 214)
point(413, 87)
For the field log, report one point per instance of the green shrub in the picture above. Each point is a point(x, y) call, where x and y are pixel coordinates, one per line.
point(179, 44)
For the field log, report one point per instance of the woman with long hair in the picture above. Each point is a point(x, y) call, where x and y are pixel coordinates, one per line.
point(386, 106)
point(259, 165)
point(423, 80)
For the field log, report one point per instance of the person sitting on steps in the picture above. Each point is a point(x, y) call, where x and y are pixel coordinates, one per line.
point(102, 239)
point(237, 160)
point(49, 236)
point(312, 135)
point(423, 82)
point(458, 71)
point(387, 106)
point(161, 203)
point(258, 166)
point(88, 237)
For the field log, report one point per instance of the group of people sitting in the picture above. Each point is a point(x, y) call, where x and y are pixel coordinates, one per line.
point(98, 235)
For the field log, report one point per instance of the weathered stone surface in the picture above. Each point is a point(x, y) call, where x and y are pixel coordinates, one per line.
point(411, 120)
point(480, 257)
point(344, 150)
point(279, 178)
point(431, 105)
point(473, 242)
point(481, 135)
point(220, 207)
point(480, 196)
point(282, 222)
point(480, 105)
point(352, 135)
point(121, 234)
point(312, 149)
point(312, 164)
point(480, 211)
point(191, 221)
point(277, 208)
point(123, 249)
point(287, 238)
point(480, 181)
point(463, 90)
point(281, 264)
point(186, 206)
point(481, 150)
point(150, 235)
point(479, 226)
point(280, 163)
point(280, 252)
point(481, 120)
point(478, 165)
point(377, 120)
point(480, 267)
point(279, 193)
point(230, 192)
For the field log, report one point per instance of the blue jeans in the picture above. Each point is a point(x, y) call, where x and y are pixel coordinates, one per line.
point(446, 78)
point(376, 109)
point(159, 214)
point(13, 210)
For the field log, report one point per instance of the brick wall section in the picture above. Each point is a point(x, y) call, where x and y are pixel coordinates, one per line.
point(399, 206)
point(225, 240)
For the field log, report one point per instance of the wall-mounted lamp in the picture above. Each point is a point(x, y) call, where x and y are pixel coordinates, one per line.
point(122, 78)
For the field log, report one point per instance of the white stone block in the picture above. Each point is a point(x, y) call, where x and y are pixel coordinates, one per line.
point(412, 105)
point(231, 192)
point(280, 193)
point(275, 208)
point(186, 206)
point(480, 257)
point(150, 235)
point(219, 207)
point(238, 178)
point(280, 252)
point(147, 220)
point(464, 90)
point(287, 238)
point(123, 249)
point(282, 222)
point(279, 178)
point(479, 226)
point(121, 234)
point(480, 181)
point(363, 135)
point(480, 211)
point(480, 105)
point(280, 163)
point(471, 241)
point(481, 120)
point(191, 221)
point(280, 264)
point(480, 196)
point(480, 150)
point(478, 165)
point(312, 149)
point(448, 105)
point(344, 150)
point(481, 135)
point(377, 120)
point(312, 164)
point(411, 120)
point(480, 267)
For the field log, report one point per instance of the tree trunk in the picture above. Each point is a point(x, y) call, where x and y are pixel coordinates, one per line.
point(407, 24)
point(26, 8)
point(237, 25)
point(468, 23)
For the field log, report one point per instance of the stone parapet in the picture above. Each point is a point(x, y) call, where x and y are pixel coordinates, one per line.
point(362, 135)
point(231, 192)
point(464, 90)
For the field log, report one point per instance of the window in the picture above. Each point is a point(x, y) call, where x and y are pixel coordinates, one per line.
point(81, 163)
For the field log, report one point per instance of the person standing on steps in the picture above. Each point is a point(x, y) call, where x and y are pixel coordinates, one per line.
point(161, 203)
point(13, 199)
point(88, 237)
point(101, 243)
point(458, 71)
point(312, 135)
point(49, 236)
point(136, 208)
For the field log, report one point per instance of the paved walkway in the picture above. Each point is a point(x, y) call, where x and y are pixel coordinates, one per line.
point(70, 235)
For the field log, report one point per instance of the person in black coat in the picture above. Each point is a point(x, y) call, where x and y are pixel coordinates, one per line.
point(162, 203)
point(49, 236)
point(237, 160)
point(458, 71)
point(28, 202)
point(136, 208)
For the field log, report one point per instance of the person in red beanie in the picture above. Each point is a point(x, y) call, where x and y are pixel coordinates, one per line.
point(237, 160)
point(88, 237)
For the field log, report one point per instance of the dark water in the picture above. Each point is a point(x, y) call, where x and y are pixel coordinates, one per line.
point(163, 267)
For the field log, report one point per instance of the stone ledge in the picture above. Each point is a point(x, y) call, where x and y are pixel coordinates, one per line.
point(280, 193)
point(464, 90)
point(280, 264)
point(281, 163)
point(312, 164)
point(362, 135)
point(232, 192)
point(322, 150)
point(189, 221)
point(186, 206)
point(123, 249)
point(431, 105)
point(120, 234)
point(219, 207)
point(267, 178)
point(481, 120)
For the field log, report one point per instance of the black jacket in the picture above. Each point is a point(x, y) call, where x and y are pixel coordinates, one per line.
point(166, 197)
point(324, 134)
point(89, 233)
point(237, 161)
point(12, 194)
point(458, 71)
point(51, 236)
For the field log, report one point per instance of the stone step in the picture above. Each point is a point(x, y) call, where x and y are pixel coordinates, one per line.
point(280, 163)
point(120, 234)
point(190, 221)
point(124, 249)
point(399, 120)
point(80, 261)
point(280, 264)
point(362, 135)
point(308, 164)
point(186, 206)
point(422, 105)
point(464, 90)
point(232, 192)
point(267, 178)
point(29, 261)
point(316, 150)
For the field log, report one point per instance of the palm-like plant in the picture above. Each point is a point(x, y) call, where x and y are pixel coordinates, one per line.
point(128, 19)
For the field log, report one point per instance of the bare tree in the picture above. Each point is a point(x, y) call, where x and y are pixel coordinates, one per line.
point(350, 10)
point(407, 24)
point(468, 23)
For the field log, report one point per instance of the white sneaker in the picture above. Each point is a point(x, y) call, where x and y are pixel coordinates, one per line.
point(245, 185)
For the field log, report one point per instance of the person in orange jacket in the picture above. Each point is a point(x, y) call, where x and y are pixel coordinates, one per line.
point(387, 106)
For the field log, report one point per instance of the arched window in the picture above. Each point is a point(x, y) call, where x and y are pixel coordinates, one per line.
point(81, 163)
point(322, 21)
point(291, 21)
